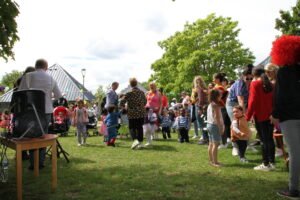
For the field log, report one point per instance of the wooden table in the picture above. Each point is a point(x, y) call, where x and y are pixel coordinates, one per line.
point(33, 144)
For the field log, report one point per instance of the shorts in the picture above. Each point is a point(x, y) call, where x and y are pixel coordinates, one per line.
point(213, 133)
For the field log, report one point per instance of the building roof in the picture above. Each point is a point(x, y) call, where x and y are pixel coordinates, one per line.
point(66, 83)
point(265, 61)
point(125, 90)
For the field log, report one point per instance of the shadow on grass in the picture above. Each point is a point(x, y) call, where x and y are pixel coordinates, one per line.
point(152, 181)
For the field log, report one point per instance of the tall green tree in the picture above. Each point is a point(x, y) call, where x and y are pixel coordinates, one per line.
point(9, 79)
point(289, 21)
point(8, 28)
point(100, 94)
point(204, 47)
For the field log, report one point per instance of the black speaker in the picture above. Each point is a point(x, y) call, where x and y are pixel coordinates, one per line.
point(23, 100)
point(29, 119)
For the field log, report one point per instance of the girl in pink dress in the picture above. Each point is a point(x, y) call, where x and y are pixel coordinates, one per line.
point(103, 127)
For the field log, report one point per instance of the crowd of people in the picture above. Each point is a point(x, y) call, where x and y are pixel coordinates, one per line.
point(219, 112)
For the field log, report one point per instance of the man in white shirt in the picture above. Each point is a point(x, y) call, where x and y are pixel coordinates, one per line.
point(41, 80)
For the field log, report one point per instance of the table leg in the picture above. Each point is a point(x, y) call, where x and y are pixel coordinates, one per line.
point(36, 162)
point(19, 172)
point(54, 166)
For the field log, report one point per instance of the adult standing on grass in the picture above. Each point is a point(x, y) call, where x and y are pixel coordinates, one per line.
point(199, 101)
point(286, 54)
point(154, 99)
point(260, 109)
point(136, 102)
point(112, 96)
point(40, 79)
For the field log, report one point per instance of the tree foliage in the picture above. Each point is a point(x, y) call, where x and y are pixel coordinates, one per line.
point(100, 94)
point(204, 47)
point(9, 79)
point(8, 28)
point(289, 22)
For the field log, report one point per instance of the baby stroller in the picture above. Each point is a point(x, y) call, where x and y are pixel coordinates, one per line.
point(61, 120)
point(92, 124)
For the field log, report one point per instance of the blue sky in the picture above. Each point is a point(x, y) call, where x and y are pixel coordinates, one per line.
point(117, 39)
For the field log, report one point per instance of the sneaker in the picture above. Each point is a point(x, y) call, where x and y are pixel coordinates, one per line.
point(262, 167)
point(255, 143)
point(195, 137)
point(252, 148)
point(272, 166)
point(79, 144)
point(222, 146)
point(135, 144)
point(235, 151)
point(202, 142)
point(244, 160)
point(147, 144)
point(290, 194)
point(140, 146)
point(228, 141)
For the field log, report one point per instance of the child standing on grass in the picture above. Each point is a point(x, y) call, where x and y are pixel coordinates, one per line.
point(183, 126)
point(112, 123)
point(80, 119)
point(166, 124)
point(215, 126)
point(103, 128)
point(240, 132)
point(149, 125)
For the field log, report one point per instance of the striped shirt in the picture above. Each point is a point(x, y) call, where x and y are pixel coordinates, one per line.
point(165, 121)
point(183, 122)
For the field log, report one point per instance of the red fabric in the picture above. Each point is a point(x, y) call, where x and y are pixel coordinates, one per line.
point(286, 50)
point(60, 109)
point(259, 103)
point(164, 101)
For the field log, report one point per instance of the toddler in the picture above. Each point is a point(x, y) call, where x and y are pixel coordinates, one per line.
point(149, 125)
point(183, 126)
point(240, 132)
point(166, 124)
point(112, 123)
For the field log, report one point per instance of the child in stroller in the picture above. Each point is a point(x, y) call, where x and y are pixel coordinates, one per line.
point(92, 124)
point(61, 120)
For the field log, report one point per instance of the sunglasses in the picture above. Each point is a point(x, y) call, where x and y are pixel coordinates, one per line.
point(249, 79)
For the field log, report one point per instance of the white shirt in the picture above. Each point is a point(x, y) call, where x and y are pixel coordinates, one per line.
point(41, 80)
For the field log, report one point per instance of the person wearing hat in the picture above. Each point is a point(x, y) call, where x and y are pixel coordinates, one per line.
point(286, 110)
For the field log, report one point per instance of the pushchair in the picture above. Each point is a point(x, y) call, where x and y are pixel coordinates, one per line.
point(92, 124)
point(61, 120)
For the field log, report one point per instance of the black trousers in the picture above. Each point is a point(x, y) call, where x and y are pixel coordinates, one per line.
point(136, 129)
point(227, 124)
point(242, 146)
point(166, 132)
point(268, 146)
point(184, 136)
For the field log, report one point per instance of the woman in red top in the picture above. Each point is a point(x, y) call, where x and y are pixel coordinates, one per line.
point(260, 106)
point(154, 99)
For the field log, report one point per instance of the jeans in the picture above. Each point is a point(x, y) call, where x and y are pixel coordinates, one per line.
point(229, 108)
point(200, 123)
point(291, 133)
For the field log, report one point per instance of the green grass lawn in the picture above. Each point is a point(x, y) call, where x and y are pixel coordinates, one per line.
point(168, 170)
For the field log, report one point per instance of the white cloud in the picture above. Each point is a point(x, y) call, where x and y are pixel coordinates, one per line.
point(115, 40)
